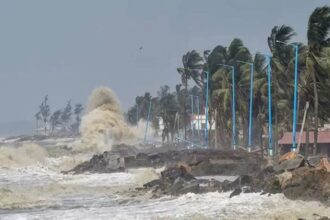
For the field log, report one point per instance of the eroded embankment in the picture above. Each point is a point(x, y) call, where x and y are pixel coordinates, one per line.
point(296, 179)
point(200, 162)
point(303, 182)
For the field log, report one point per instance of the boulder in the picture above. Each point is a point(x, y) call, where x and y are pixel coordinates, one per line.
point(313, 161)
point(171, 174)
point(104, 163)
point(174, 181)
point(308, 184)
point(289, 164)
point(236, 192)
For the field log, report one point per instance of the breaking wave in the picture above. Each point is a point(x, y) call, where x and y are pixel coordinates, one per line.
point(104, 123)
point(24, 155)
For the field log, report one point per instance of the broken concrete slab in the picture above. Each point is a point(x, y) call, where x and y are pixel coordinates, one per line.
point(103, 163)
point(289, 164)
point(313, 161)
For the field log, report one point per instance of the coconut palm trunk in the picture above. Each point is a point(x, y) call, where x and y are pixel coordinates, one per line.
point(216, 134)
point(318, 38)
point(316, 107)
point(185, 109)
point(307, 135)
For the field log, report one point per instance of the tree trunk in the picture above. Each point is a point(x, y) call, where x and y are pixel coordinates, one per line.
point(45, 127)
point(260, 139)
point(222, 131)
point(216, 132)
point(316, 103)
point(307, 136)
point(260, 132)
point(276, 130)
point(185, 109)
point(245, 130)
point(37, 126)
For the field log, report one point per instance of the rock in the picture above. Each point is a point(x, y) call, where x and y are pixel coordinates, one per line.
point(192, 187)
point(289, 164)
point(308, 184)
point(284, 178)
point(236, 192)
point(323, 165)
point(303, 183)
point(152, 183)
point(103, 163)
point(172, 173)
point(246, 189)
point(313, 161)
point(174, 181)
point(240, 182)
point(200, 162)
point(287, 156)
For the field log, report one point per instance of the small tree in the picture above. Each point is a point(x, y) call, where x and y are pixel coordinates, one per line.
point(77, 111)
point(66, 115)
point(38, 118)
point(55, 120)
point(45, 112)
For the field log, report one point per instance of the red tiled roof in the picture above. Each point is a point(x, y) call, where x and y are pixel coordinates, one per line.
point(322, 137)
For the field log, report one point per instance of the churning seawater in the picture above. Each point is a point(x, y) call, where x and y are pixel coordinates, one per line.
point(34, 188)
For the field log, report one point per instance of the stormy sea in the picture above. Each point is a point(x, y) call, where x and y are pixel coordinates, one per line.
point(32, 185)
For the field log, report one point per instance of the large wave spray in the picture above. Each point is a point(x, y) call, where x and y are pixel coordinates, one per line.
point(23, 155)
point(104, 123)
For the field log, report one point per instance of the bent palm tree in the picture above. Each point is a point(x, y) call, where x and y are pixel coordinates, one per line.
point(192, 66)
point(221, 87)
point(282, 61)
point(317, 36)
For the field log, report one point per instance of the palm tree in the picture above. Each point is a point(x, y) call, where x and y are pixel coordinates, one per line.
point(282, 55)
point(282, 61)
point(221, 86)
point(77, 111)
point(38, 118)
point(317, 36)
point(45, 112)
point(167, 109)
point(55, 120)
point(192, 66)
point(260, 99)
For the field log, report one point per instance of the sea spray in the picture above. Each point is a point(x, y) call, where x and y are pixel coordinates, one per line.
point(104, 124)
point(23, 155)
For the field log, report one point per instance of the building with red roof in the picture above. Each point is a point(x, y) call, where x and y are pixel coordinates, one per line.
point(323, 142)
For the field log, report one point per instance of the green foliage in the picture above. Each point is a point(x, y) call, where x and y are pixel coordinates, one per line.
point(78, 108)
point(44, 110)
point(192, 66)
point(66, 115)
point(60, 120)
point(55, 120)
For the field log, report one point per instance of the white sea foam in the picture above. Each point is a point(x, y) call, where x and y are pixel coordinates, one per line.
point(30, 178)
point(104, 124)
point(190, 206)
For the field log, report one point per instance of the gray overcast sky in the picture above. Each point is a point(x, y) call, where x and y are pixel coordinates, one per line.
point(66, 48)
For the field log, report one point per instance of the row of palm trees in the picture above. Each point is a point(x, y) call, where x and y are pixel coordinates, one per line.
point(314, 81)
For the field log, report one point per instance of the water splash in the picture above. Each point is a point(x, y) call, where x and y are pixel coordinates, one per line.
point(104, 123)
point(23, 155)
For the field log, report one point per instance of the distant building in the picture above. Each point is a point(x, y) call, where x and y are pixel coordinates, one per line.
point(197, 122)
point(323, 140)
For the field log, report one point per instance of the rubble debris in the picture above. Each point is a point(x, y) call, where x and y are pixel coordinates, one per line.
point(105, 163)
point(304, 183)
point(199, 162)
point(323, 165)
point(289, 164)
